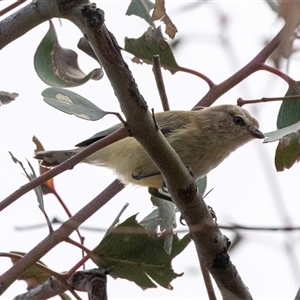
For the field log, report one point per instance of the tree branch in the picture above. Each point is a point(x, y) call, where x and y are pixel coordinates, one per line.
point(17, 24)
point(254, 65)
point(58, 236)
point(211, 245)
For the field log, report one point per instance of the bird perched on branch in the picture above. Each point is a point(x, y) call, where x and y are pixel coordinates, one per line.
point(201, 138)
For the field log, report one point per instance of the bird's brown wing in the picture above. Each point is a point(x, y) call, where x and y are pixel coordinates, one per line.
point(170, 121)
point(98, 136)
point(167, 122)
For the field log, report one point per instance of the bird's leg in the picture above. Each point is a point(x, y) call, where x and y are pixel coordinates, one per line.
point(181, 220)
point(212, 213)
point(164, 187)
point(138, 175)
point(154, 191)
point(189, 168)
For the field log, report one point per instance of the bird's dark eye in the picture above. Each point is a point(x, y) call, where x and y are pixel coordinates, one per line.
point(238, 121)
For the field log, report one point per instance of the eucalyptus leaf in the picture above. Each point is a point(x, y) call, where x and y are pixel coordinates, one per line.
point(274, 5)
point(31, 176)
point(280, 133)
point(289, 112)
point(288, 149)
point(73, 104)
point(141, 9)
point(202, 184)
point(166, 220)
point(58, 66)
point(150, 222)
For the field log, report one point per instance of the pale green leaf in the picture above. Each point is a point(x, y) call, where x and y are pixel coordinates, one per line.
point(73, 104)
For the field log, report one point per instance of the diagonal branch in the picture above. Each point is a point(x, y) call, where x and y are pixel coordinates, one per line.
point(211, 245)
point(68, 164)
point(58, 236)
point(253, 66)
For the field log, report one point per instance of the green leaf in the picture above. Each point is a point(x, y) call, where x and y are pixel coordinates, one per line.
point(58, 66)
point(165, 220)
point(202, 184)
point(164, 216)
point(280, 133)
point(288, 149)
point(35, 275)
point(287, 152)
point(141, 9)
point(129, 252)
point(73, 104)
point(31, 176)
point(274, 5)
point(150, 222)
point(38, 190)
point(117, 219)
point(152, 43)
point(289, 112)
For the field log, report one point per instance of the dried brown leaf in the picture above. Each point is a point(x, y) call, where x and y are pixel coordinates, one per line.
point(159, 13)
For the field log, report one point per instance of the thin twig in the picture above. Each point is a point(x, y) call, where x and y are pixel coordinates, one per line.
point(210, 83)
point(74, 243)
point(284, 76)
point(160, 82)
point(14, 256)
point(11, 7)
point(253, 66)
point(208, 282)
point(59, 235)
point(66, 209)
point(227, 227)
point(78, 265)
point(241, 102)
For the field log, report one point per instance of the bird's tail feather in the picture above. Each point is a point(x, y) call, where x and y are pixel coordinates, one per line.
point(51, 159)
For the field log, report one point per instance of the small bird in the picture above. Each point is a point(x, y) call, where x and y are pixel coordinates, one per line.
point(202, 139)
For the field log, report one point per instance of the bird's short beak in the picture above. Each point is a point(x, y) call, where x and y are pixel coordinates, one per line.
point(257, 133)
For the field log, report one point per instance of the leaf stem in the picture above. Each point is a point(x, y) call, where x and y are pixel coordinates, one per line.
point(210, 83)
